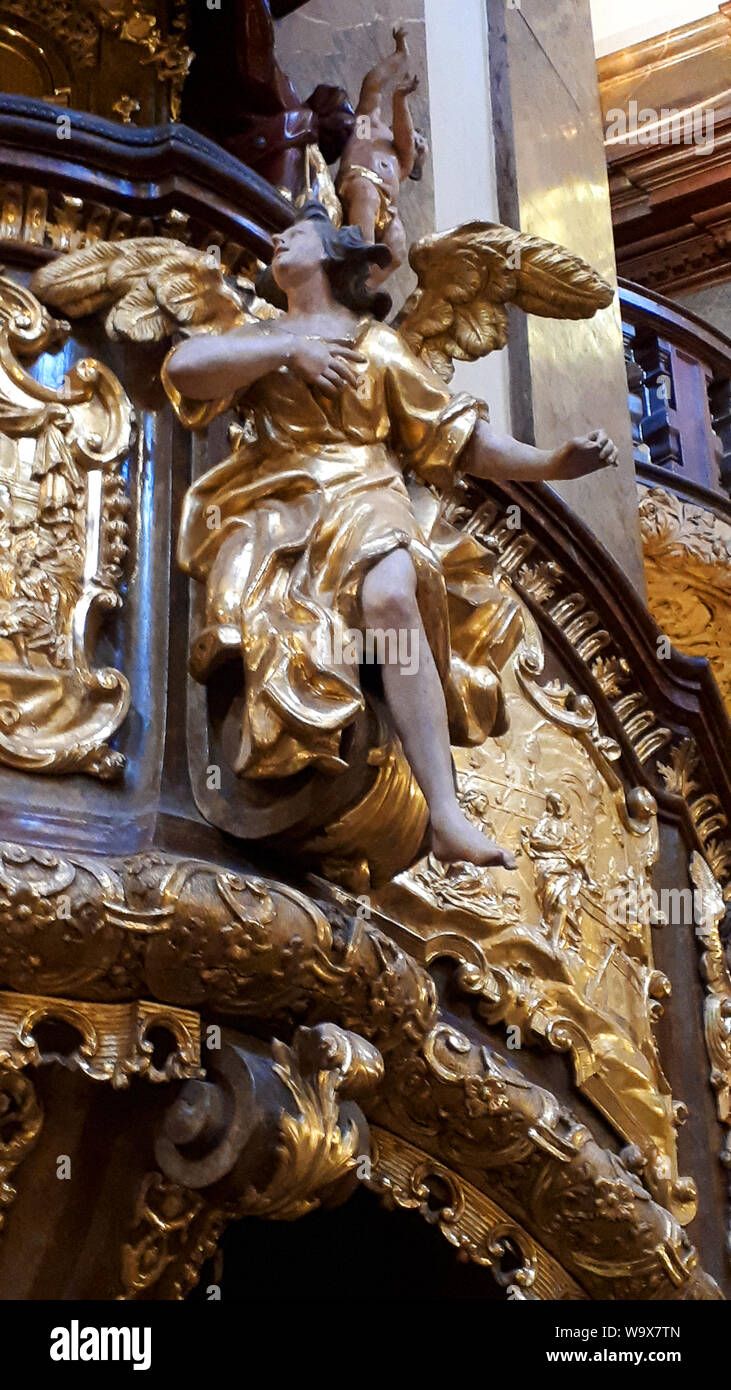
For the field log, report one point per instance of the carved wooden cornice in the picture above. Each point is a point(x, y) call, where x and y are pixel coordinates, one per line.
point(168, 171)
point(671, 203)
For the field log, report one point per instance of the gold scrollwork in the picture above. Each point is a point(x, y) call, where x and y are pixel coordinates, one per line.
point(174, 1232)
point(62, 545)
point(710, 910)
point(246, 947)
point(21, 1119)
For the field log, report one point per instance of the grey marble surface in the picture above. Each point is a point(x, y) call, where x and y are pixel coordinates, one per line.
point(337, 41)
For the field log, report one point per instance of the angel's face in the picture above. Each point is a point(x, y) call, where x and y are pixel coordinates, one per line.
point(297, 254)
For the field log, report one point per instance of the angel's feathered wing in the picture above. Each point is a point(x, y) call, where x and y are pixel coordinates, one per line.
point(151, 287)
point(469, 275)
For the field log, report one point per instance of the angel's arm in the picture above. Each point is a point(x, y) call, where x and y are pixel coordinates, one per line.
point(208, 367)
point(492, 455)
point(403, 129)
point(211, 365)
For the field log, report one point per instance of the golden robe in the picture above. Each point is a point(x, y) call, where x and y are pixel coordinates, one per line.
point(284, 529)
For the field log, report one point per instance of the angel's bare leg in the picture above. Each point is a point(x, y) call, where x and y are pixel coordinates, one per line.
point(416, 703)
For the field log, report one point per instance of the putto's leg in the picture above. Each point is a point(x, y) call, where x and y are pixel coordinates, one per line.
point(361, 205)
point(416, 704)
point(394, 238)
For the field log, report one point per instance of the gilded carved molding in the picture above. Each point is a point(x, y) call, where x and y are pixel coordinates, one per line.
point(116, 1041)
point(710, 911)
point(470, 1108)
point(469, 1219)
point(543, 580)
point(167, 53)
point(174, 1231)
point(198, 936)
point(78, 25)
point(537, 576)
point(687, 554)
point(62, 546)
point(270, 1133)
point(38, 217)
point(21, 1118)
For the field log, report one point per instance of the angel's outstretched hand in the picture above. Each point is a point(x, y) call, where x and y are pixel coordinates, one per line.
point(585, 454)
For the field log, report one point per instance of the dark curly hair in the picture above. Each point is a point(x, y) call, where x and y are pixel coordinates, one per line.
point(348, 261)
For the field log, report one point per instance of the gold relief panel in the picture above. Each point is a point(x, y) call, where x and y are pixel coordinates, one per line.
point(559, 953)
point(62, 546)
point(687, 554)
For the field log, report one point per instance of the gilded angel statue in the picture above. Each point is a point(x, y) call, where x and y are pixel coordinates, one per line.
point(326, 518)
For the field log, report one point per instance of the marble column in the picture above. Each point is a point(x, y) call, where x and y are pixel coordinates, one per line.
point(552, 181)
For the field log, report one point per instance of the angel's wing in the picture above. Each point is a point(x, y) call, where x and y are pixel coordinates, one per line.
point(151, 287)
point(468, 276)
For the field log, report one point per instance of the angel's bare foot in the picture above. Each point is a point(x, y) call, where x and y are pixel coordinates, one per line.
point(454, 838)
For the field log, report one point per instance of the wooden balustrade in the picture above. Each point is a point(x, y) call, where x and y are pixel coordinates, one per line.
point(679, 380)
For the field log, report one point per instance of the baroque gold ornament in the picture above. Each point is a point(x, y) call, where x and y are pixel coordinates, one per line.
point(710, 909)
point(346, 456)
point(271, 1133)
point(21, 1119)
point(478, 1229)
point(62, 546)
point(114, 1040)
point(559, 953)
point(196, 936)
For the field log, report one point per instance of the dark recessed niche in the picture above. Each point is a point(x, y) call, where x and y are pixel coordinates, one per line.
point(329, 1254)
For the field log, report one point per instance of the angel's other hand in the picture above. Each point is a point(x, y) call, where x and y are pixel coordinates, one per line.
point(327, 363)
point(586, 454)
